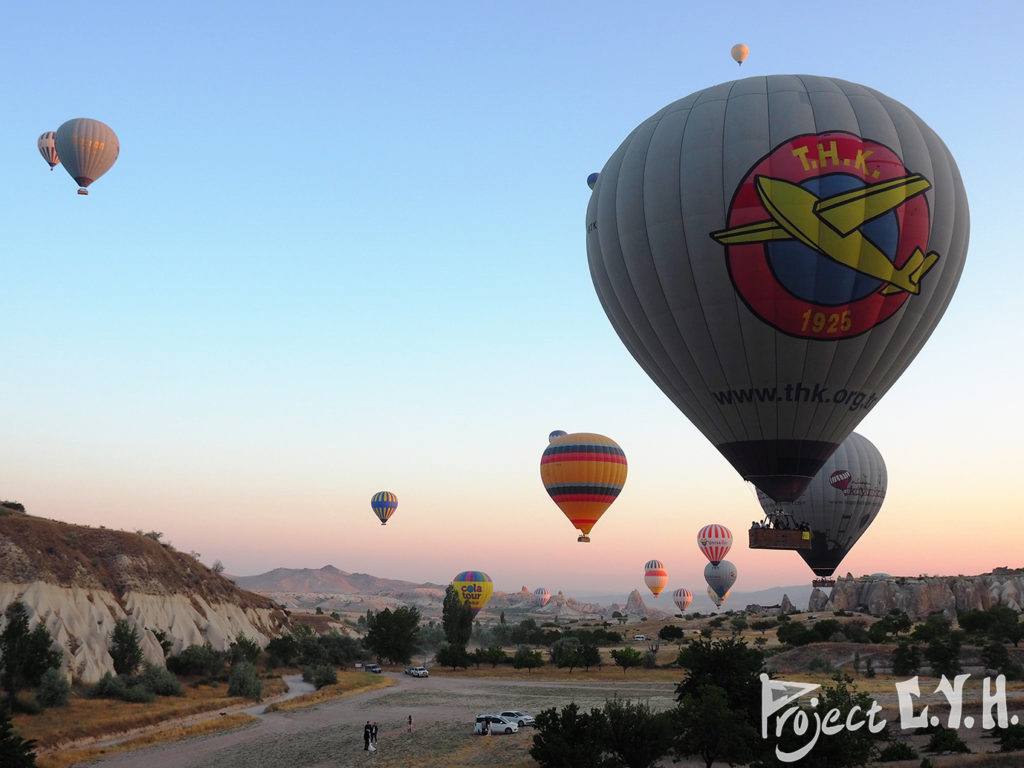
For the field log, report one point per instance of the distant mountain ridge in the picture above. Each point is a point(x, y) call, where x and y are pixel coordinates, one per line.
point(328, 580)
point(359, 591)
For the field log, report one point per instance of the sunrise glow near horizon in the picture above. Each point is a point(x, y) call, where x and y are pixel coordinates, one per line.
point(343, 252)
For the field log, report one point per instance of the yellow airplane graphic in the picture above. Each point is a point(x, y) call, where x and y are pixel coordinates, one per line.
point(831, 226)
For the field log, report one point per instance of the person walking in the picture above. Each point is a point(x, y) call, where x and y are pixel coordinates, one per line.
point(367, 733)
point(409, 729)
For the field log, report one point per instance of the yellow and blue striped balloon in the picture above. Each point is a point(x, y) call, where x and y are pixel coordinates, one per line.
point(384, 505)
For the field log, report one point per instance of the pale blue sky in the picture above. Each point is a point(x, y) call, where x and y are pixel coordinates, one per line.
point(342, 251)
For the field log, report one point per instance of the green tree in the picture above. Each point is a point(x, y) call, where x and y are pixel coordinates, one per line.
point(244, 681)
point(636, 735)
point(570, 738)
point(282, 650)
point(54, 689)
point(244, 649)
point(590, 656)
point(125, 649)
point(565, 652)
point(454, 656)
point(15, 752)
point(495, 656)
point(527, 659)
point(722, 681)
point(709, 727)
point(846, 748)
point(997, 660)
point(393, 635)
point(943, 654)
point(456, 618)
point(25, 654)
point(906, 658)
point(670, 632)
point(1010, 738)
point(627, 657)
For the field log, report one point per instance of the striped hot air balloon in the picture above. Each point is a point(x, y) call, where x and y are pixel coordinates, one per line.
point(475, 588)
point(541, 595)
point(655, 576)
point(384, 505)
point(48, 149)
point(714, 541)
point(682, 598)
point(583, 473)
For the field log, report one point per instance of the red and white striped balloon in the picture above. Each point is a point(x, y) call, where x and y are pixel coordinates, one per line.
point(682, 598)
point(714, 541)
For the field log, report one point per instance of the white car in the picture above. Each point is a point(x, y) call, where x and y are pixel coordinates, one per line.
point(419, 672)
point(521, 718)
point(494, 724)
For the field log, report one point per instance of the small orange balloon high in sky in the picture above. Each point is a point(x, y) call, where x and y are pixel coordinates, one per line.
point(739, 53)
point(583, 473)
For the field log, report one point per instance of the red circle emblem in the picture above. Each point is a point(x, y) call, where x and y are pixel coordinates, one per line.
point(799, 271)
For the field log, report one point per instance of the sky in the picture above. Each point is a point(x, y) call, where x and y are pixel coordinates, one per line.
point(343, 251)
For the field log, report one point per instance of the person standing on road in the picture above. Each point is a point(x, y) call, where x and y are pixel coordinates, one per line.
point(373, 734)
point(409, 730)
point(367, 732)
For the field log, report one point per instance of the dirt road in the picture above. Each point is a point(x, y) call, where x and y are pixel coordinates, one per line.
point(443, 709)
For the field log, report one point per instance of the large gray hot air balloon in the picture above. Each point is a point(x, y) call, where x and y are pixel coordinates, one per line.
point(774, 252)
point(839, 504)
point(87, 148)
point(721, 577)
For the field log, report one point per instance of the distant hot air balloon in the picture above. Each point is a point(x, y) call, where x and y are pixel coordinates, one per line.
point(48, 149)
point(774, 252)
point(541, 596)
point(592, 180)
point(384, 505)
point(739, 53)
point(655, 576)
point(475, 588)
point(716, 599)
point(87, 148)
point(714, 541)
point(840, 503)
point(583, 473)
point(682, 598)
point(720, 577)
point(556, 433)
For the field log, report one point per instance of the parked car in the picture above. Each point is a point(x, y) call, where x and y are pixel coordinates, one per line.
point(494, 724)
point(373, 668)
point(419, 672)
point(639, 637)
point(521, 718)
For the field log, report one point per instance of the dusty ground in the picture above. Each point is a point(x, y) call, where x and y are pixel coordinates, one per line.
point(443, 708)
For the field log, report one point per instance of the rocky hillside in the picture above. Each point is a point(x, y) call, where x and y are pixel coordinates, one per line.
point(79, 580)
point(922, 595)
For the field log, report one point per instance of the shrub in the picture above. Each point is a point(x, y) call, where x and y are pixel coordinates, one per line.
point(897, 750)
point(946, 740)
point(122, 688)
point(158, 680)
point(54, 689)
point(244, 649)
point(244, 681)
point(200, 661)
point(320, 675)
